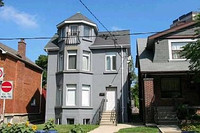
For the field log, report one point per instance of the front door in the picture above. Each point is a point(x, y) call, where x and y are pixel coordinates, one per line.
point(110, 99)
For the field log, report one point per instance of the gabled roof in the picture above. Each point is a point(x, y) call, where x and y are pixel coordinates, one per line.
point(146, 64)
point(7, 50)
point(153, 37)
point(105, 40)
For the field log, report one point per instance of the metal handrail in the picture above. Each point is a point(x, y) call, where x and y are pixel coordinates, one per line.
point(97, 116)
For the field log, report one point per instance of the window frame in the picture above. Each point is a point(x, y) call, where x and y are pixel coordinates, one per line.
point(70, 89)
point(89, 33)
point(71, 54)
point(86, 89)
point(111, 55)
point(70, 30)
point(171, 91)
point(86, 54)
point(62, 33)
point(170, 41)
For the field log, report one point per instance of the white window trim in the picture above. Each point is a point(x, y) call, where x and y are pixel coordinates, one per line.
point(88, 55)
point(74, 89)
point(68, 54)
point(110, 55)
point(177, 40)
point(86, 89)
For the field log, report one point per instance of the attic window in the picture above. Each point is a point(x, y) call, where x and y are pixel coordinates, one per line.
point(175, 47)
point(87, 32)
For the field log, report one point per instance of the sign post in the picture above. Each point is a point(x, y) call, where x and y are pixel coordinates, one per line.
point(6, 92)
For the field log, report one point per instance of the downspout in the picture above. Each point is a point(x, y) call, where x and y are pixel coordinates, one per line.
point(122, 81)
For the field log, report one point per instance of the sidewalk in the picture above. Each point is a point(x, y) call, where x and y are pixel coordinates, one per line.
point(112, 129)
point(169, 129)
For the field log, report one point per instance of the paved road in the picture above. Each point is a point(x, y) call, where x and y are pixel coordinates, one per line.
point(111, 129)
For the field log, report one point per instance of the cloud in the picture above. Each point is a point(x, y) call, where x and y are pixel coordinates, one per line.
point(115, 28)
point(20, 18)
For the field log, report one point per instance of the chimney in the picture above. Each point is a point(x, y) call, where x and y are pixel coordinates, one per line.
point(22, 48)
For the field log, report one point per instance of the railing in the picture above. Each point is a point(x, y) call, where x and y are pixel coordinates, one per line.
point(97, 117)
point(73, 38)
point(116, 112)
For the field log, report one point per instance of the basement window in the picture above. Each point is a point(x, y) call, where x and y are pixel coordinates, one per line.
point(70, 121)
point(86, 121)
point(33, 102)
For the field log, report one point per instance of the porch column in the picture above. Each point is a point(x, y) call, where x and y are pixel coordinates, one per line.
point(148, 100)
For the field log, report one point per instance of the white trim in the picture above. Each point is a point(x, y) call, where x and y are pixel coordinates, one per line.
point(71, 89)
point(111, 61)
point(87, 54)
point(79, 21)
point(177, 40)
point(68, 54)
point(3, 51)
point(86, 88)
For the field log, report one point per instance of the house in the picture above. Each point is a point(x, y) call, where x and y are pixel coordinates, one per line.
point(26, 77)
point(165, 80)
point(88, 75)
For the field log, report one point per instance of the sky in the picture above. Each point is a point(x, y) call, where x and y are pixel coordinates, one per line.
point(38, 18)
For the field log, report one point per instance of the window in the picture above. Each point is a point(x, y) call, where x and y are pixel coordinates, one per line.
point(175, 46)
point(86, 95)
point(86, 121)
point(111, 62)
point(73, 30)
point(170, 87)
point(87, 32)
point(62, 33)
point(70, 120)
point(86, 61)
point(33, 102)
point(72, 59)
point(71, 95)
point(60, 61)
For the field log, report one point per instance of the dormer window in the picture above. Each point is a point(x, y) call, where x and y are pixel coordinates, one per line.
point(176, 46)
point(87, 31)
point(62, 33)
point(73, 30)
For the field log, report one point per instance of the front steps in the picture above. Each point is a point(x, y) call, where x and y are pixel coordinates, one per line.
point(166, 115)
point(108, 118)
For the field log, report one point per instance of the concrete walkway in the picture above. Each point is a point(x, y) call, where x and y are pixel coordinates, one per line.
point(169, 128)
point(111, 129)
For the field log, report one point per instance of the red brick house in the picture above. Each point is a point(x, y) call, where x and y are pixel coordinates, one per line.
point(165, 80)
point(27, 78)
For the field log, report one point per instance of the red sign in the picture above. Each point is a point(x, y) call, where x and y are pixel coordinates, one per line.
point(6, 86)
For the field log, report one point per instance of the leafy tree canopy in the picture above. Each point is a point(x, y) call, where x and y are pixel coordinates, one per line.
point(1, 3)
point(42, 61)
point(191, 51)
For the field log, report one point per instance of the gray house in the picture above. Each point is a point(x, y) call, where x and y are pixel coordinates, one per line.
point(165, 81)
point(88, 74)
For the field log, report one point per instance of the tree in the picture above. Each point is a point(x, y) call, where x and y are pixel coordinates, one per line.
point(191, 51)
point(42, 61)
point(1, 3)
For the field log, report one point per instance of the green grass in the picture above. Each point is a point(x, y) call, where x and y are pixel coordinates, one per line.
point(67, 128)
point(139, 130)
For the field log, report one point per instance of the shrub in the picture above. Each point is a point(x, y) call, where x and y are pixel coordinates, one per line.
point(49, 125)
point(77, 129)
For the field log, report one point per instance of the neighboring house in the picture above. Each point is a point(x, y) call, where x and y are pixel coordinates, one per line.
point(26, 77)
point(88, 74)
point(164, 77)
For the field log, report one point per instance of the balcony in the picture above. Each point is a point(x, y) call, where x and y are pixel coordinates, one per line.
point(72, 38)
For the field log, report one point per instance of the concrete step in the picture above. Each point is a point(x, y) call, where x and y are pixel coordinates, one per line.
point(165, 108)
point(107, 123)
point(167, 122)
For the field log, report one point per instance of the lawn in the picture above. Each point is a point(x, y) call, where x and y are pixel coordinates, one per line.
point(67, 128)
point(139, 130)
